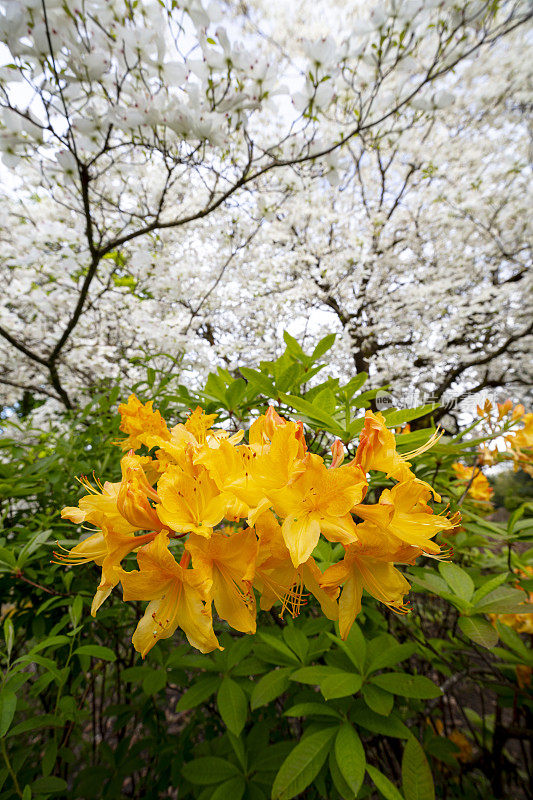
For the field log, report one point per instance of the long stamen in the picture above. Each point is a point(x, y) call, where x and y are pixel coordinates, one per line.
point(433, 439)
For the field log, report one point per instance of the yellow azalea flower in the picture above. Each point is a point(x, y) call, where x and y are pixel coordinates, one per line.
point(521, 445)
point(281, 461)
point(365, 566)
point(198, 423)
point(99, 507)
point(190, 503)
point(230, 468)
point(403, 512)
point(318, 501)
point(263, 429)
point(140, 422)
point(227, 560)
point(107, 548)
point(132, 501)
point(518, 411)
point(177, 598)
point(480, 489)
point(278, 580)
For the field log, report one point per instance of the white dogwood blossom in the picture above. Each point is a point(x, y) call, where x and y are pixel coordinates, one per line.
point(189, 178)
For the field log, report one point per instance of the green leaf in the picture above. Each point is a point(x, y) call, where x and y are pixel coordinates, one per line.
point(311, 710)
point(232, 705)
point(323, 346)
point(512, 640)
point(209, 770)
point(342, 684)
point(458, 580)
point(297, 640)
point(386, 726)
point(338, 781)
point(479, 630)
point(8, 705)
point(234, 789)
point(404, 685)
point(293, 347)
point(48, 785)
point(378, 699)
point(259, 380)
point(270, 686)
point(96, 651)
point(279, 647)
point(390, 656)
point(36, 723)
point(302, 765)
point(383, 784)
point(154, 681)
point(502, 600)
point(354, 646)
point(488, 586)
point(198, 692)
point(417, 781)
point(350, 756)
point(315, 675)
point(235, 393)
point(49, 758)
point(395, 418)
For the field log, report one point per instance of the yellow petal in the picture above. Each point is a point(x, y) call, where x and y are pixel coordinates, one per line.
point(301, 535)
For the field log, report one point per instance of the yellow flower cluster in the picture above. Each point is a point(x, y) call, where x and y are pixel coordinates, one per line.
point(217, 521)
point(519, 441)
point(478, 487)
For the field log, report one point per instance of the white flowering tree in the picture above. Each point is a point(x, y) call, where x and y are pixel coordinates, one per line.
point(181, 178)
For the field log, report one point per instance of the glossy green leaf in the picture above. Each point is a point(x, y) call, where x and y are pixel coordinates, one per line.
point(270, 686)
point(96, 651)
point(383, 784)
point(479, 630)
point(302, 765)
point(405, 685)
point(350, 756)
point(458, 579)
point(232, 705)
point(417, 781)
point(209, 770)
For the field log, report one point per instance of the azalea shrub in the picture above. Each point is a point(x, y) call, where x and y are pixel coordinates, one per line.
point(266, 589)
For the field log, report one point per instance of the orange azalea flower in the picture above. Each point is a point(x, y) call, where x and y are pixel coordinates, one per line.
point(140, 422)
point(377, 449)
point(179, 597)
point(227, 560)
point(403, 512)
point(318, 501)
point(504, 409)
point(189, 503)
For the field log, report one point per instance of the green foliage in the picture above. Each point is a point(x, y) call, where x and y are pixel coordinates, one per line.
point(293, 711)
